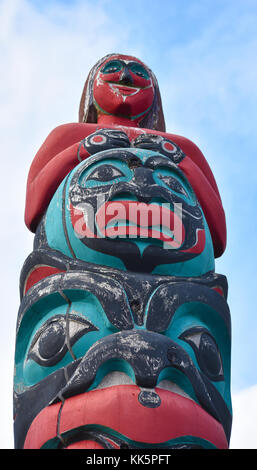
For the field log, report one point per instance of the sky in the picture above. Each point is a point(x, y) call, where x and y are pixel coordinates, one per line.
point(204, 56)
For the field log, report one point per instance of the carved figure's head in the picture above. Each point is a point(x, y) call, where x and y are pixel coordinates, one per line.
point(123, 86)
point(119, 360)
point(130, 209)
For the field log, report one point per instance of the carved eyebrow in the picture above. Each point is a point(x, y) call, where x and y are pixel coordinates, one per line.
point(157, 161)
point(153, 162)
point(160, 161)
point(122, 155)
point(169, 297)
point(109, 293)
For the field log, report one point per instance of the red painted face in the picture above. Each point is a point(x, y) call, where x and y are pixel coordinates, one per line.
point(123, 87)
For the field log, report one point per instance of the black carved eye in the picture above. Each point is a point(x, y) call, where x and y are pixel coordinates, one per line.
point(206, 351)
point(173, 183)
point(50, 343)
point(105, 173)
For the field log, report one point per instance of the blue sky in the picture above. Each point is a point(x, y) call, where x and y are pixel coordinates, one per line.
point(203, 53)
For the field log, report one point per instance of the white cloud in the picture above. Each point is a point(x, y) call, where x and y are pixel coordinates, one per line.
point(244, 428)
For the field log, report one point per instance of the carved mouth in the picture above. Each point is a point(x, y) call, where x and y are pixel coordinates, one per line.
point(132, 219)
point(140, 220)
point(125, 90)
point(169, 229)
point(127, 416)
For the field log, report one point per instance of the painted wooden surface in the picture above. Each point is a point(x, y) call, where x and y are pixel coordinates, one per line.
point(123, 332)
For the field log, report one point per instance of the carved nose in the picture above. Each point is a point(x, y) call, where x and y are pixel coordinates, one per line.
point(148, 353)
point(126, 78)
point(143, 176)
point(145, 351)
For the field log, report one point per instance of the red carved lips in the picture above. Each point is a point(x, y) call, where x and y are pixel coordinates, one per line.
point(136, 219)
point(117, 408)
point(132, 218)
point(144, 220)
point(125, 90)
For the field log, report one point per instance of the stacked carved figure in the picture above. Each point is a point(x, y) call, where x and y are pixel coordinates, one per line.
point(123, 332)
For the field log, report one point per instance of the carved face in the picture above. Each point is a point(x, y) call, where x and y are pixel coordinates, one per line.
point(131, 209)
point(106, 372)
point(123, 87)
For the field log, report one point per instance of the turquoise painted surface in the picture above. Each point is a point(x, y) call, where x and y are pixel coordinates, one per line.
point(202, 263)
point(85, 305)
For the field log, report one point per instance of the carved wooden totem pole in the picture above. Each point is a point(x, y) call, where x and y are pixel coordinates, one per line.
point(123, 331)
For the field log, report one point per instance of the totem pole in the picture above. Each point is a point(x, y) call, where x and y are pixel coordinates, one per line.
point(123, 332)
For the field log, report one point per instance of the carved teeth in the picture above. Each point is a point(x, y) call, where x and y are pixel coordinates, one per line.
point(121, 378)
